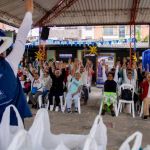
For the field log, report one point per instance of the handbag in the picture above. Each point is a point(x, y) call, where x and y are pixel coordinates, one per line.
point(126, 94)
point(34, 90)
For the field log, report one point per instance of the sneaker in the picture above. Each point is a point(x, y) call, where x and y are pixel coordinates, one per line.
point(76, 110)
point(145, 117)
point(57, 109)
point(112, 113)
point(68, 110)
point(51, 107)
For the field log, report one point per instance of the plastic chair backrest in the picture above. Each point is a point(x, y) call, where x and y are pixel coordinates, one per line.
point(127, 86)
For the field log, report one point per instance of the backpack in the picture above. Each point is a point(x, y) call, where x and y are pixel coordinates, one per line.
point(126, 94)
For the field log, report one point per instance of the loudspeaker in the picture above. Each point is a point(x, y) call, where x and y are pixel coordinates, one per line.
point(44, 33)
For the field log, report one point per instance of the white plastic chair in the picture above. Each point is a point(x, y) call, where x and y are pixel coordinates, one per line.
point(79, 105)
point(61, 101)
point(122, 101)
point(40, 101)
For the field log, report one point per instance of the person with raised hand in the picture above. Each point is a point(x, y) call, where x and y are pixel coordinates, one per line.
point(11, 91)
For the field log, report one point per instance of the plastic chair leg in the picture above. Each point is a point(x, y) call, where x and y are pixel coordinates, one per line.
point(47, 105)
point(40, 101)
point(115, 106)
point(61, 102)
point(79, 106)
point(133, 111)
point(101, 107)
point(64, 107)
point(119, 105)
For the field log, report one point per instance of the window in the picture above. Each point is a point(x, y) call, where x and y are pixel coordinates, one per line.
point(88, 37)
point(107, 31)
point(88, 28)
point(122, 31)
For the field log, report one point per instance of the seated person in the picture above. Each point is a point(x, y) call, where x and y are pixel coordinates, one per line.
point(145, 85)
point(110, 87)
point(110, 96)
point(36, 88)
point(47, 82)
point(85, 87)
point(74, 92)
point(130, 77)
point(57, 87)
point(26, 85)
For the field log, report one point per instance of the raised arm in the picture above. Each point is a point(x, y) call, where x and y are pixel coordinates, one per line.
point(116, 74)
point(125, 75)
point(51, 73)
point(135, 74)
point(7, 42)
point(19, 47)
point(104, 74)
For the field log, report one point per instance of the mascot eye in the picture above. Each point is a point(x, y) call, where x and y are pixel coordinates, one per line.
point(1, 42)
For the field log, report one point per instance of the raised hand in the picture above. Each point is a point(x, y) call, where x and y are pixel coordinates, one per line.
point(29, 6)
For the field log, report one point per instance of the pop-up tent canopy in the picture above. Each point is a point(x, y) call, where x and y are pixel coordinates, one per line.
point(77, 12)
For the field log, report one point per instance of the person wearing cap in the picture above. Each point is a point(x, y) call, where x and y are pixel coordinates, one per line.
point(11, 91)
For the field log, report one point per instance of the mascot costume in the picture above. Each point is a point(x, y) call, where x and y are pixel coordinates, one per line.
point(10, 88)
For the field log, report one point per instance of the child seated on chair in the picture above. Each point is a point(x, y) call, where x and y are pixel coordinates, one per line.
point(74, 92)
point(110, 86)
point(110, 96)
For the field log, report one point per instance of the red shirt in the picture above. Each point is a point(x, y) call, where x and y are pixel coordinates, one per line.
point(145, 86)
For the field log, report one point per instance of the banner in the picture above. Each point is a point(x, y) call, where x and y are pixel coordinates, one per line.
point(83, 42)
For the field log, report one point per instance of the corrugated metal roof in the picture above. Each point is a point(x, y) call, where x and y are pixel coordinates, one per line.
point(82, 12)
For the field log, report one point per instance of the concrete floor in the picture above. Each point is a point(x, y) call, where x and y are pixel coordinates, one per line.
point(118, 128)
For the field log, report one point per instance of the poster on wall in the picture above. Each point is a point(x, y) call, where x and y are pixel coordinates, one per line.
point(104, 58)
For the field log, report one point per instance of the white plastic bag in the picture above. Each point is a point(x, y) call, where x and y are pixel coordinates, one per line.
point(40, 131)
point(97, 138)
point(61, 146)
point(22, 141)
point(8, 132)
point(42, 137)
point(147, 147)
point(137, 143)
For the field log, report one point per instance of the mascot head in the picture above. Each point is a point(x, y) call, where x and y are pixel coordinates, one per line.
point(5, 42)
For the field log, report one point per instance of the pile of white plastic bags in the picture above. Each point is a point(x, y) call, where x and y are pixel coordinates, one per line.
point(40, 137)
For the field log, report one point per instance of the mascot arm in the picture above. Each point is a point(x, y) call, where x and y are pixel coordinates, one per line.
point(16, 55)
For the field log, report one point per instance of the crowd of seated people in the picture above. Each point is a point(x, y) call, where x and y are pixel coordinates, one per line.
point(52, 79)
point(133, 75)
point(55, 79)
